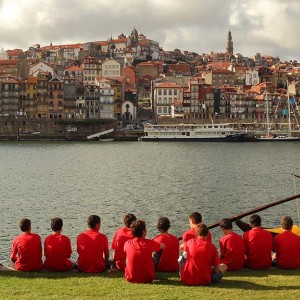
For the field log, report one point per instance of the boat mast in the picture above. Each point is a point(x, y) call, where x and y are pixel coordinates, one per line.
point(289, 107)
point(267, 108)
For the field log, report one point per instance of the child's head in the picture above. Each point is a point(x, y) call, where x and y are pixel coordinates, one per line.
point(255, 220)
point(128, 219)
point(138, 228)
point(201, 230)
point(163, 224)
point(195, 218)
point(56, 224)
point(25, 225)
point(93, 221)
point(226, 224)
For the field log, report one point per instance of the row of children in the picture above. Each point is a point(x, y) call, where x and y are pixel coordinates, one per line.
point(139, 257)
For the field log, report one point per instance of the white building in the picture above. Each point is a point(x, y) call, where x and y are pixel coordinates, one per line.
point(166, 94)
point(107, 94)
point(111, 67)
point(42, 67)
point(252, 77)
point(128, 111)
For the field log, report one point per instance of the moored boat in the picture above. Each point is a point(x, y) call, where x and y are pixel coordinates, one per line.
point(192, 132)
point(277, 138)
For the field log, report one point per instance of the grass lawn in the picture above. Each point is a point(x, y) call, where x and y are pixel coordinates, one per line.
point(246, 284)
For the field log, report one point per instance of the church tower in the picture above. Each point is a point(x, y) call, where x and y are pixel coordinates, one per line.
point(229, 48)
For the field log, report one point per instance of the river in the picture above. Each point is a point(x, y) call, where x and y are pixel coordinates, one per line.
point(40, 180)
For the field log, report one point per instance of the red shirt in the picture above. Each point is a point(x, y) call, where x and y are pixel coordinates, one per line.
point(258, 247)
point(168, 261)
point(190, 234)
point(287, 248)
point(121, 236)
point(140, 267)
point(27, 251)
point(232, 251)
point(57, 250)
point(92, 248)
point(202, 255)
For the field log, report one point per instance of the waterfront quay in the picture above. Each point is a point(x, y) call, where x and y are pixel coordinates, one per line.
point(78, 130)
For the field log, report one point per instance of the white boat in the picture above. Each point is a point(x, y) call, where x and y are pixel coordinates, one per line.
point(192, 132)
point(278, 138)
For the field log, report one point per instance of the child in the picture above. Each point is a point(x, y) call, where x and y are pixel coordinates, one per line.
point(166, 260)
point(140, 267)
point(26, 253)
point(57, 248)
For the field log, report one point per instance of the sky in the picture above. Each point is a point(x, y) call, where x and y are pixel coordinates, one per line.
point(270, 27)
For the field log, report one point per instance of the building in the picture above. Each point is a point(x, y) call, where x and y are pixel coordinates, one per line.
point(106, 98)
point(9, 98)
point(30, 105)
point(111, 67)
point(251, 77)
point(165, 95)
point(42, 67)
point(42, 96)
point(91, 70)
point(229, 46)
point(220, 78)
point(74, 72)
point(70, 86)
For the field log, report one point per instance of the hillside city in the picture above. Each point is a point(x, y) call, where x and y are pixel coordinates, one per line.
point(132, 79)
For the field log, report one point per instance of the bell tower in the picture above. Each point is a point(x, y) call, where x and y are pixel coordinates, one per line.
point(229, 47)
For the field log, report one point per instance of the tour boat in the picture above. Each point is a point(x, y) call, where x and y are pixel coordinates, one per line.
point(192, 132)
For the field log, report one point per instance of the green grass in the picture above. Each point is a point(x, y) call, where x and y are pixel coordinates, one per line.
point(246, 284)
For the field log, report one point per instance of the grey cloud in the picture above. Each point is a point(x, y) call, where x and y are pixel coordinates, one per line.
point(193, 25)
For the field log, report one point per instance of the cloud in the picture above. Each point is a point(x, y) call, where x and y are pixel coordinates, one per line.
point(265, 26)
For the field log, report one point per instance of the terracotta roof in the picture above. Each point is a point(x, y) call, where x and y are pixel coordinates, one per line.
point(73, 68)
point(9, 81)
point(167, 85)
point(9, 61)
point(56, 47)
point(32, 79)
point(219, 65)
point(118, 40)
point(101, 43)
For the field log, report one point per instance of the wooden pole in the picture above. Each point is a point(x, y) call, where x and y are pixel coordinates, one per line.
point(296, 175)
point(255, 210)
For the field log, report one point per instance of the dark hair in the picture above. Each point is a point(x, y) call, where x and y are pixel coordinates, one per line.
point(163, 224)
point(93, 220)
point(128, 219)
point(201, 230)
point(196, 217)
point(25, 224)
point(255, 220)
point(287, 222)
point(56, 224)
point(226, 224)
point(138, 227)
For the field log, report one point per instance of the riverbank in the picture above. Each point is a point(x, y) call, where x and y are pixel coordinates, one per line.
point(246, 284)
point(117, 135)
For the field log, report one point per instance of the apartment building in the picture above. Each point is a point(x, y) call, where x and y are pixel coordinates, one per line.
point(92, 69)
point(165, 95)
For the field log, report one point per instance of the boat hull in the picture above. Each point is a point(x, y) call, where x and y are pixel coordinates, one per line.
point(290, 139)
point(228, 138)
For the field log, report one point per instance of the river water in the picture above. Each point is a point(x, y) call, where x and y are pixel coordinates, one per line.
point(40, 180)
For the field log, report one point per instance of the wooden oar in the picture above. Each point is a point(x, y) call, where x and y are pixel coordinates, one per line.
point(255, 210)
point(296, 175)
